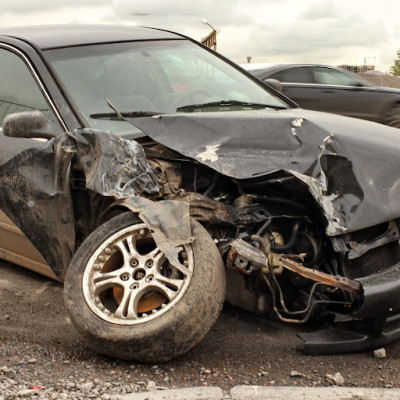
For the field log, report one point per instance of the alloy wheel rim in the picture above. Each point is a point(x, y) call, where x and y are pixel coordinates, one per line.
point(129, 280)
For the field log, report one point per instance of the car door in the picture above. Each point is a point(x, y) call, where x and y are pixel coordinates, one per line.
point(342, 94)
point(329, 90)
point(20, 91)
point(298, 83)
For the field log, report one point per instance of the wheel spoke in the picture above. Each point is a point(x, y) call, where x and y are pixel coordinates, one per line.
point(185, 271)
point(157, 256)
point(175, 283)
point(106, 281)
point(165, 290)
point(127, 248)
point(128, 306)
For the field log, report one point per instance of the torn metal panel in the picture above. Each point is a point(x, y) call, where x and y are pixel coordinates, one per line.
point(168, 220)
point(40, 203)
point(114, 166)
point(351, 174)
point(204, 209)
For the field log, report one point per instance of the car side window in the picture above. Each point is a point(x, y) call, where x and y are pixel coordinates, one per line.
point(294, 75)
point(19, 90)
point(328, 76)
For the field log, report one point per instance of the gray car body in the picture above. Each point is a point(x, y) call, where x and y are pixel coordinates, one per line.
point(360, 100)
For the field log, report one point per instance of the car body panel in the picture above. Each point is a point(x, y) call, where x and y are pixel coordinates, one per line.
point(359, 100)
point(315, 147)
point(57, 36)
point(40, 203)
point(16, 248)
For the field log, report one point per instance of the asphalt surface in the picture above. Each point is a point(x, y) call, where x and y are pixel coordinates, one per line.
point(243, 357)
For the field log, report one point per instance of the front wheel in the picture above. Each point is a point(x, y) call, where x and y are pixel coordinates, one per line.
point(129, 302)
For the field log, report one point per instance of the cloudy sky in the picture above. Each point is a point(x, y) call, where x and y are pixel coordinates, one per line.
point(321, 31)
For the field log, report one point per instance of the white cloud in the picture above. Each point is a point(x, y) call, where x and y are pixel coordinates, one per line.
point(327, 31)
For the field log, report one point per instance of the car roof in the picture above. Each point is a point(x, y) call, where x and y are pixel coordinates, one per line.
point(277, 66)
point(55, 36)
point(259, 69)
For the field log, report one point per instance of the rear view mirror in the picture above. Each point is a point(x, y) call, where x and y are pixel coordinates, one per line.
point(277, 85)
point(28, 124)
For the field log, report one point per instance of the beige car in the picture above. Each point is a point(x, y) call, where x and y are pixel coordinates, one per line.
point(16, 248)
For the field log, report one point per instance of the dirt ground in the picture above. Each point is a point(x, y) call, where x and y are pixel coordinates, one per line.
point(38, 340)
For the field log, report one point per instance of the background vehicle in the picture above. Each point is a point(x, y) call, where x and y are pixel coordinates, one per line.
point(135, 163)
point(324, 88)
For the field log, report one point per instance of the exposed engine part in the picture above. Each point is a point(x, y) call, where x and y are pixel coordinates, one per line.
point(203, 208)
point(287, 246)
point(244, 200)
point(273, 241)
point(247, 258)
point(170, 175)
point(257, 259)
point(339, 282)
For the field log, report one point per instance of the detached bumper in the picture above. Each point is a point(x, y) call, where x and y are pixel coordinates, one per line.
point(376, 323)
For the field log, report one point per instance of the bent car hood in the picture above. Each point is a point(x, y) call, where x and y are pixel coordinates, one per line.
point(350, 166)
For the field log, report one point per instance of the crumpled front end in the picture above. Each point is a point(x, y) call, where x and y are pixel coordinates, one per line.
point(305, 209)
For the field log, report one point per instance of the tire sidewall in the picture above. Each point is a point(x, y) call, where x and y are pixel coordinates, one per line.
point(174, 331)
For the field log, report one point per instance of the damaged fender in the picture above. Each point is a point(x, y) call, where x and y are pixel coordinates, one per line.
point(40, 173)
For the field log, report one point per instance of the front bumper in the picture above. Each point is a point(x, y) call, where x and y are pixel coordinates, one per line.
point(374, 324)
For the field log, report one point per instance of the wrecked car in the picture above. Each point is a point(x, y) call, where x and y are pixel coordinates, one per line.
point(149, 174)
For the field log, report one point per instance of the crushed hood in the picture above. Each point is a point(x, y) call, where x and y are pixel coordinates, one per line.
point(350, 166)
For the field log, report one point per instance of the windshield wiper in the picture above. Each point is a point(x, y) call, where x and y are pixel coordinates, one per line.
point(116, 116)
point(228, 103)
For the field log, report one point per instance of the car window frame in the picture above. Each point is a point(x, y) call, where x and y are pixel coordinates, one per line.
point(316, 70)
point(62, 127)
point(290, 70)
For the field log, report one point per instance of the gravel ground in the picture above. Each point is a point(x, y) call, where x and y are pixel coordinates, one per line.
point(43, 357)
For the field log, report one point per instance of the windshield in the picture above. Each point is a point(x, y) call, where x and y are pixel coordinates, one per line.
point(151, 77)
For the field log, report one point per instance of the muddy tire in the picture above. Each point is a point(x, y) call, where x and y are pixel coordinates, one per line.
point(129, 302)
point(392, 117)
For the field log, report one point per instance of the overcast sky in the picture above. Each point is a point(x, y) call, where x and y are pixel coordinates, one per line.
point(316, 31)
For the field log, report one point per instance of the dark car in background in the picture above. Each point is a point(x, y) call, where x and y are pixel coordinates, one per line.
point(329, 89)
point(145, 171)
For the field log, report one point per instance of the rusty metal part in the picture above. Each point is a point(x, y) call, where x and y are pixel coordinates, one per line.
point(203, 208)
point(273, 258)
point(240, 250)
point(170, 174)
point(244, 200)
point(246, 258)
point(251, 258)
point(319, 276)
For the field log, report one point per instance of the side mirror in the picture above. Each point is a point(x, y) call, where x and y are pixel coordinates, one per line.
point(28, 124)
point(274, 83)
